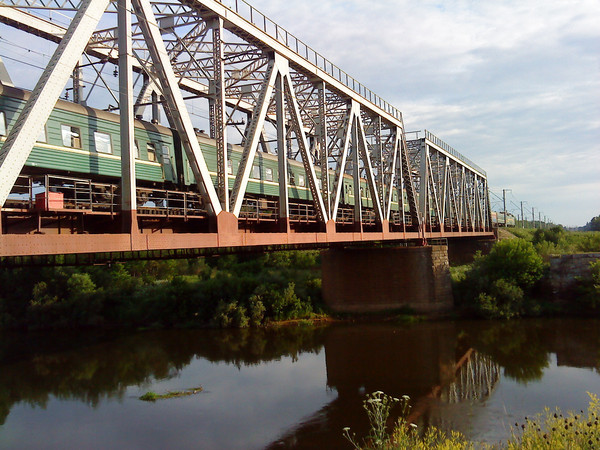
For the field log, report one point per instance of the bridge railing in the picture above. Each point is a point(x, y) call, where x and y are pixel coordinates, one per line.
point(262, 22)
point(449, 149)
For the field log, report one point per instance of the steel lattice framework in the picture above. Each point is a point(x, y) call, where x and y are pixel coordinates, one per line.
point(258, 81)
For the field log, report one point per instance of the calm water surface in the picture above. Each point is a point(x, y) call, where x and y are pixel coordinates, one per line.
point(291, 387)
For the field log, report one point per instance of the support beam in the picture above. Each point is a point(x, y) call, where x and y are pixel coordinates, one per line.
point(371, 184)
point(128, 185)
point(24, 133)
point(220, 116)
point(393, 179)
point(176, 105)
point(254, 130)
point(323, 148)
point(309, 167)
point(341, 168)
point(284, 208)
point(356, 174)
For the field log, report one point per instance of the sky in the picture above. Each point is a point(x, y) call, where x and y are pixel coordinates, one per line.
point(512, 85)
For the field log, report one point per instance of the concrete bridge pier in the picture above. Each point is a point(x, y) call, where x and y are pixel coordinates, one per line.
point(385, 279)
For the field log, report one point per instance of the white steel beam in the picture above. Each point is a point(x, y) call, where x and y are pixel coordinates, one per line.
point(309, 168)
point(341, 168)
point(253, 136)
point(356, 171)
point(34, 115)
point(369, 169)
point(323, 148)
point(176, 105)
point(128, 190)
point(390, 187)
point(284, 207)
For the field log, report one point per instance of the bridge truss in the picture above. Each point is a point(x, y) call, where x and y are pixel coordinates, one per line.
point(262, 89)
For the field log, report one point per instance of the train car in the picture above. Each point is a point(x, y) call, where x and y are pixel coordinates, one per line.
point(498, 219)
point(81, 145)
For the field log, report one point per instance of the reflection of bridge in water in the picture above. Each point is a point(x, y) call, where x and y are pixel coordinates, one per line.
point(475, 380)
point(428, 367)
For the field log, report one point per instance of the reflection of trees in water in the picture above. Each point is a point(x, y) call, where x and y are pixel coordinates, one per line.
point(102, 367)
point(475, 380)
point(520, 347)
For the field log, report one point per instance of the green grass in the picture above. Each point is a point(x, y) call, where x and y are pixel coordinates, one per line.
point(153, 396)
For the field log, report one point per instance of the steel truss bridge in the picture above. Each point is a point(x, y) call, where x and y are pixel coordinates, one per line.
point(262, 89)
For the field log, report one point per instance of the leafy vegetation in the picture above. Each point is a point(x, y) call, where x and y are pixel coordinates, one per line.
point(226, 291)
point(558, 241)
point(500, 284)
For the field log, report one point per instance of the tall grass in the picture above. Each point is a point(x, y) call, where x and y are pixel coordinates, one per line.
point(549, 430)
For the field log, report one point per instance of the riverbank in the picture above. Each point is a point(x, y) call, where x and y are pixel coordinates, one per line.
point(517, 278)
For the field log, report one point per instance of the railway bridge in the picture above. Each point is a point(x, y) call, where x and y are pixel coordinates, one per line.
point(191, 125)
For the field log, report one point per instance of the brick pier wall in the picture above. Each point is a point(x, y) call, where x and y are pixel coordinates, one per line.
point(379, 279)
point(564, 271)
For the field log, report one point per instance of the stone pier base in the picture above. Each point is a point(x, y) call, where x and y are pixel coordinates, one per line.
point(380, 279)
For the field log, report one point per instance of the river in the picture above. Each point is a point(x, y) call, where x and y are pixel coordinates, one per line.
point(288, 386)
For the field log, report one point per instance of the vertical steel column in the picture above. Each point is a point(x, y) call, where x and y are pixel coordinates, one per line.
point(379, 181)
point(34, 115)
point(323, 149)
point(284, 212)
point(219, 124)
point(400, 182)
point(128, 185)
point(423, 191)
point(77, 84)
point(155, 110)
point(444, 194)
point(356, 174)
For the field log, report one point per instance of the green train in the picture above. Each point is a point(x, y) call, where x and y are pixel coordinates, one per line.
point(83, 144)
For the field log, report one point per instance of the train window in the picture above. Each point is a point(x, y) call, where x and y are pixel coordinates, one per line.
point(102, 142)
point(301, 181)
point(71, 136)
point(42, 136)
point(229, 167)
point(2, 124)
point(269, 174)
point(151, 149)
point(165, 154)
point(256, 172)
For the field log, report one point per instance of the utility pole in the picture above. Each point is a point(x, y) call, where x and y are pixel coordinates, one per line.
point(532, 217)
point(522, 217)
point(504, 200)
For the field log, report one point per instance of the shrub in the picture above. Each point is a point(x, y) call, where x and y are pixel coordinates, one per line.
point(504, 301)
point(498, 284)
point(515, 260)
point(230, 315)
